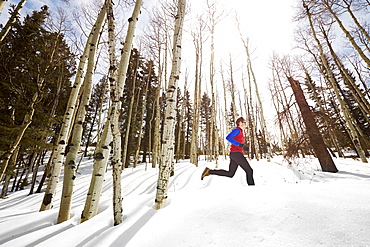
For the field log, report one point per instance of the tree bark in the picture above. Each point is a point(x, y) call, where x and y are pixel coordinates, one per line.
point(75, 143)
point(121, 78)
point(198, 43)
point(69, 115)
point(319, 147)
point(168, 135)
point(97, 178)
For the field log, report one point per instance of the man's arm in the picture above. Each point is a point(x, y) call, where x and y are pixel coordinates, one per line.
point(230, 137)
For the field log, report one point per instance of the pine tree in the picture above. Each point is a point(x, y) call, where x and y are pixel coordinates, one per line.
point(35, 72)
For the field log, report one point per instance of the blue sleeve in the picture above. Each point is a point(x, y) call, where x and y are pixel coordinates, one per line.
point(230, 137)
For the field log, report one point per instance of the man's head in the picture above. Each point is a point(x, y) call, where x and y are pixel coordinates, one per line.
point(240, 122)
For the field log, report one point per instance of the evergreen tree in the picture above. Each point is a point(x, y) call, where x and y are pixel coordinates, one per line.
point(36, 67)
point(99, 98)
point(139, 74)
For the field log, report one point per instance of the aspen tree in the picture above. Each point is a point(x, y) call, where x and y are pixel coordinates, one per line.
point(213, 19)
point(58, 153)
point(12, 18)
point(252, 124)
point(350, 38)
point(275, 101)
point(75, 143)
point(121, 78)
point(232, 91)
point(226, 120)
point(111, 127)
point(102, 150)
point(156, 141)
point(349, 80)
point(170, 115)
point(290, 122)
point(2, 3)
point(347, 6)
point(198, 44)
point(157, 116)
point(348, 119)
point(260, 106)
point(101, 157)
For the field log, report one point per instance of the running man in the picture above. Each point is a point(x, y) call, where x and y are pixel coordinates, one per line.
point(236, 138)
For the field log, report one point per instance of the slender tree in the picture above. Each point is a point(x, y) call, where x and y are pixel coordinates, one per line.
point(328, 4)
point(198, 43)
point(58, 153)
point(168, 134)
point(12, 18)
point(70, 165)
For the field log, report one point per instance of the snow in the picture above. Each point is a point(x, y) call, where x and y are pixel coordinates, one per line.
point(290, 205)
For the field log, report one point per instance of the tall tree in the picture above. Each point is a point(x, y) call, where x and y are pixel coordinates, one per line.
point(326, 162)
point(168, 133)
point(58, 153)
point(213, 20)
point(74, 145)
point(198, 43)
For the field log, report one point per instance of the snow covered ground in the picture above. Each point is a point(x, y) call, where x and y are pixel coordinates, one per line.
point(289, 206)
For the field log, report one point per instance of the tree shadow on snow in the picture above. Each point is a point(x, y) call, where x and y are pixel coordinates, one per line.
point(125, 237)
point(354, 174)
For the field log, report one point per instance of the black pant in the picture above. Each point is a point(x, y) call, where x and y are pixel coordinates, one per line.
point(236, 159)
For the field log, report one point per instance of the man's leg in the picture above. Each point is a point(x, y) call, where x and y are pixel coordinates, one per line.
point(242, 161)
point(230, 173)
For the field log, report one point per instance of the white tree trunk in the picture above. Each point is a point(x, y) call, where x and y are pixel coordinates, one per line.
point(102, 150)
point(170, 115)
point(198, 43)
point(122, 74)
point(2, 3)
point(350, 38)
point(101, 156)
point(70, 162)
point(12, 18)
point(69, 115)
point(260, 106)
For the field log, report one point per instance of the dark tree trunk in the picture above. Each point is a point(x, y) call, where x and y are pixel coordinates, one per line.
point(319, 147)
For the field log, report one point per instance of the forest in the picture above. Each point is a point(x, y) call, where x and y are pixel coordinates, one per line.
point(93, 84)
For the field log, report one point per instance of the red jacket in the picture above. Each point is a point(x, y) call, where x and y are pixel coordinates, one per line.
point(235, 139)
